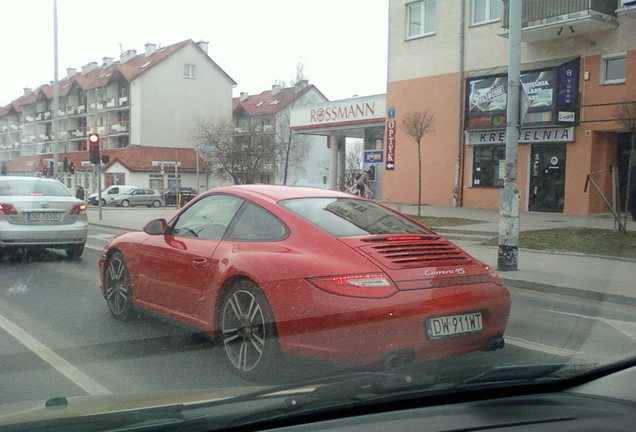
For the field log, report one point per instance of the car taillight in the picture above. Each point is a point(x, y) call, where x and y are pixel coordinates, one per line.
point(8, 209)
point(369, 285)
point(78, 209)
point(494, 275)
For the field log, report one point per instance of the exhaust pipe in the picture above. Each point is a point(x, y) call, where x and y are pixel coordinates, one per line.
point(398, 359)
point(496, 342)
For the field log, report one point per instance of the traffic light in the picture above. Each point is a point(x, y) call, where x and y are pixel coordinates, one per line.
point(45, 171)
point(93, 148)
point(51, 168)
point(71, 167)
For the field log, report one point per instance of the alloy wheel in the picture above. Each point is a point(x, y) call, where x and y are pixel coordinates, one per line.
point(244, 329)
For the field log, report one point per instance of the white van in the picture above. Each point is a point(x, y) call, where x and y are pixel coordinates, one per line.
point(110, 193)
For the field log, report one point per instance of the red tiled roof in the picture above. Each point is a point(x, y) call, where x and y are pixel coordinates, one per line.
point(25, 164)
point(138, 158)
point(134, 158)
point(268, 103)
point(102, 75)
point(22, 100)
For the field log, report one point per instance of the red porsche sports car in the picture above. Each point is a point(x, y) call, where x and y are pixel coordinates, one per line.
point(275, 270)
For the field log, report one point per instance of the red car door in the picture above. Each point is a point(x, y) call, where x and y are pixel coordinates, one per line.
point(176, 267)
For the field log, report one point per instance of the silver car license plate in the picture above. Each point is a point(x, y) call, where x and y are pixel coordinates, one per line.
point(44, 216)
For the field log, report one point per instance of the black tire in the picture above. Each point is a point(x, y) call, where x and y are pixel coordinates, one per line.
point(125, 203)
point(118, 288)
point(75, 251)
point(248, 332)
point(156, 203)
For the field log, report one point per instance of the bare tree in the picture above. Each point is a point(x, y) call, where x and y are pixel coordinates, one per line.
point(292, 149)
point(625, 114)
point(416, 124)
point(353, 160)
point(243, 159)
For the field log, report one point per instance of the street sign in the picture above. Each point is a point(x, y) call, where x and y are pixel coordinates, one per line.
point(374, 156)
point(206, 147)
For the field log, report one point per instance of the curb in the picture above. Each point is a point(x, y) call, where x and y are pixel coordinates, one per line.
point(570, 292)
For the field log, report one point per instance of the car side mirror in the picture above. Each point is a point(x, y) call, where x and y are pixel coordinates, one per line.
point(156, 227)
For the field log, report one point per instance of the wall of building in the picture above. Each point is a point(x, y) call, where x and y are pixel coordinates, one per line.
point(438, 94)
point(424, 74)
point(165, 105)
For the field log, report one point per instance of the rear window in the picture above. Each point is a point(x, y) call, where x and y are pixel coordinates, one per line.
point(32, 188)
point(344, 217)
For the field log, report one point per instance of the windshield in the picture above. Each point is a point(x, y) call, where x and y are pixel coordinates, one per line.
point(27, 187)
point(370, 204)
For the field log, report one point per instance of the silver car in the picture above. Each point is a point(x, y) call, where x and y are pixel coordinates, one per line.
point(41, 213)
point(135, 197)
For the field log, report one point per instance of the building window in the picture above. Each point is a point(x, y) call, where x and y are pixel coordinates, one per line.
point(174, 180)
point(485, 11)
point(156, 182)
point(189, 71)
point(420, 19)
point(488, 163)
point(613, 68)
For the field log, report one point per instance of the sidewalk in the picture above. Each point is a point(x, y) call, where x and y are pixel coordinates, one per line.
point(578, 275)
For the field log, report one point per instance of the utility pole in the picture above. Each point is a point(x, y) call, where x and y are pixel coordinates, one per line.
point(509, 201)
point(56, 96)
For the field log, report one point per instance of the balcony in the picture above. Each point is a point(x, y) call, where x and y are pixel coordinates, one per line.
point(548, 20)
point(120, 127)
point(627, 8)
point(79, 132)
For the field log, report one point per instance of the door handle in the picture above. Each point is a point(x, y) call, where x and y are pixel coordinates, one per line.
point(200, 262)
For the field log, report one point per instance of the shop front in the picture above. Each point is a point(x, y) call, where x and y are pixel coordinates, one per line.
point(541, 167)
point(362, 118)
point(550, 116)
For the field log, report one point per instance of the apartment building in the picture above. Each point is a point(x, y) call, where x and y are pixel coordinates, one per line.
point(450, 57)
point(149, 101)
point(267, 116)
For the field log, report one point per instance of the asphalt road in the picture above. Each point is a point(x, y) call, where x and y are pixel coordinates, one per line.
point(57, 337)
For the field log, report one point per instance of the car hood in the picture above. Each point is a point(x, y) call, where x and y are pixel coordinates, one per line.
point(57, 412)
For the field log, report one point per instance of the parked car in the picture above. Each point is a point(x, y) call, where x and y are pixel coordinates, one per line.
point(274, 270)
point(38, 213)
point(185, 194)
point(137, 197)
point(109, 193)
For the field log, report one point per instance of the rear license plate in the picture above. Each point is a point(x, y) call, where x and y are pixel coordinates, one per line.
point(453, 325)
point(44, 216)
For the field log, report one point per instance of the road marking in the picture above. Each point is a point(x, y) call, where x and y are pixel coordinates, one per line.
point(82, 380)
point(628, 328)
point(101, 236)
point(536, 346)
point(97, 248)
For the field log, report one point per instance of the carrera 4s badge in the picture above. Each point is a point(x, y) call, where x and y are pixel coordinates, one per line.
point(433, 272)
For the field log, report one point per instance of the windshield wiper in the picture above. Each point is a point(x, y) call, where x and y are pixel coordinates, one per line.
point(360, 388)
point(347, 389)
point(519, 374)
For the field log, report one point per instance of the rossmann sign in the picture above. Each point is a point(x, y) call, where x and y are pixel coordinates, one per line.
point(344, 112)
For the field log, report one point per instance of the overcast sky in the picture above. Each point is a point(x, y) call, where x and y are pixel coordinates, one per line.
point(343, 43)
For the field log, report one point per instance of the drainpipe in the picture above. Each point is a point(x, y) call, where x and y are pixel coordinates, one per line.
point(458, 189)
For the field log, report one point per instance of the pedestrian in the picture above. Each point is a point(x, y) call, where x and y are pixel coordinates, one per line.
point(79, 193)
point(362, 181)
